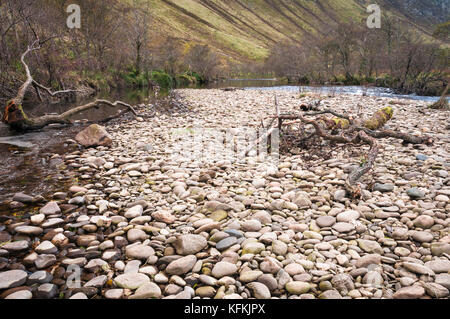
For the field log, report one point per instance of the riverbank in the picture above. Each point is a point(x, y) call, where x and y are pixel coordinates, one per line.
point(141, 223)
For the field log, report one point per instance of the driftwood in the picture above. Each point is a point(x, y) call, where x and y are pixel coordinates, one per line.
point(343, 129)
point(16, 118)
point(442, 104)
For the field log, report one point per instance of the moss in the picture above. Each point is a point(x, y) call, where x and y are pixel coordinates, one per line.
point(341, 123)
point(163, 79)
point(380, 118)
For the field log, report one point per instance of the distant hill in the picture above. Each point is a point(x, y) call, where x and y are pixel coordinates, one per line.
point(245, 30)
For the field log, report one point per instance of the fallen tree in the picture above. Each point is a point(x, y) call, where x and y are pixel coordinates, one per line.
point(442, 104)
point(339, 129)
point(16, 118)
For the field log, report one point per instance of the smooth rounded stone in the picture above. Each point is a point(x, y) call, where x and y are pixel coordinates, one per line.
point(268, 280)
point(252, 225)
point(95, 264)
point(114, 294)
point(325, 285)
point(435, 290)
point(343, 283)
point(348, 216)
point(443, 280)
point(205, 292)
point(223, 268)
point(312, 235)
point(52, 223)
point(147, 291)
point(97, 282)
point(131, 281)
point(133, 212)
point(111, 255)
point(297, 287)
point(259, 290)
point(343, 227)
point(373, 278)
point(415, 193)
point(279, 248)
point(234, 233)
point(141, 252)
point(190, 244)
point(442, 198)
point(438, 249)
point(294, 269)
point(422, 236)
point(371, 259)
point(39, 277)
point(85, 240)
point(340, 195)
point(259, 183)
point(37, 219)
point(181, 266)
point(46, 291)
point(134, 235)
point(411, 292)
point(16, 246)
point(325, 221)
point(226, 243)
point(263, 216)
point(383, 188)
point(46, 247)
point(370, 246)
point(439, 266)
point(22, 198)
point(218, 215)
point(44, 261)
point(79, 200)
point(249, 276)
point(12, 278)
point(132, 266)
point(424, 221)
point(207, 280)
point(421, 157)
point(330, 294)
point(253, 248)
point(402, 251)
point(406, 281)
point(29, 230)
point(79, 295)
point(21, 295)
point(418, 269)
point(51, 208)
point(164, 217)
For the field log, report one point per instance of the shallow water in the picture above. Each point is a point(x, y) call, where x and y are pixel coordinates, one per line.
point(356, 90)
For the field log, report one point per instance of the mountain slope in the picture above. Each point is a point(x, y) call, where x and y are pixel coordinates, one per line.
point(246, 29)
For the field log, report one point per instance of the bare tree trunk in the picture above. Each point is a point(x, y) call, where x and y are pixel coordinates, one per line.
point(16, 118)
point(442, 104)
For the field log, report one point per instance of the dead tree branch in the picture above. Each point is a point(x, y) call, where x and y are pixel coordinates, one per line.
point(342, 129)
point(16, 117)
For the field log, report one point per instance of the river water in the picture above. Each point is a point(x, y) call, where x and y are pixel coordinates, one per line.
point(27, 163)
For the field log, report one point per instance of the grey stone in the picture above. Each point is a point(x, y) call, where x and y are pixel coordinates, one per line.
point(12, 278)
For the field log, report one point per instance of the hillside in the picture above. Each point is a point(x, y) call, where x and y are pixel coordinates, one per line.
point(246, 29)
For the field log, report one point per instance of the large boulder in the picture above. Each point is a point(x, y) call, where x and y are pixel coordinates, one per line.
point(94, 135)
